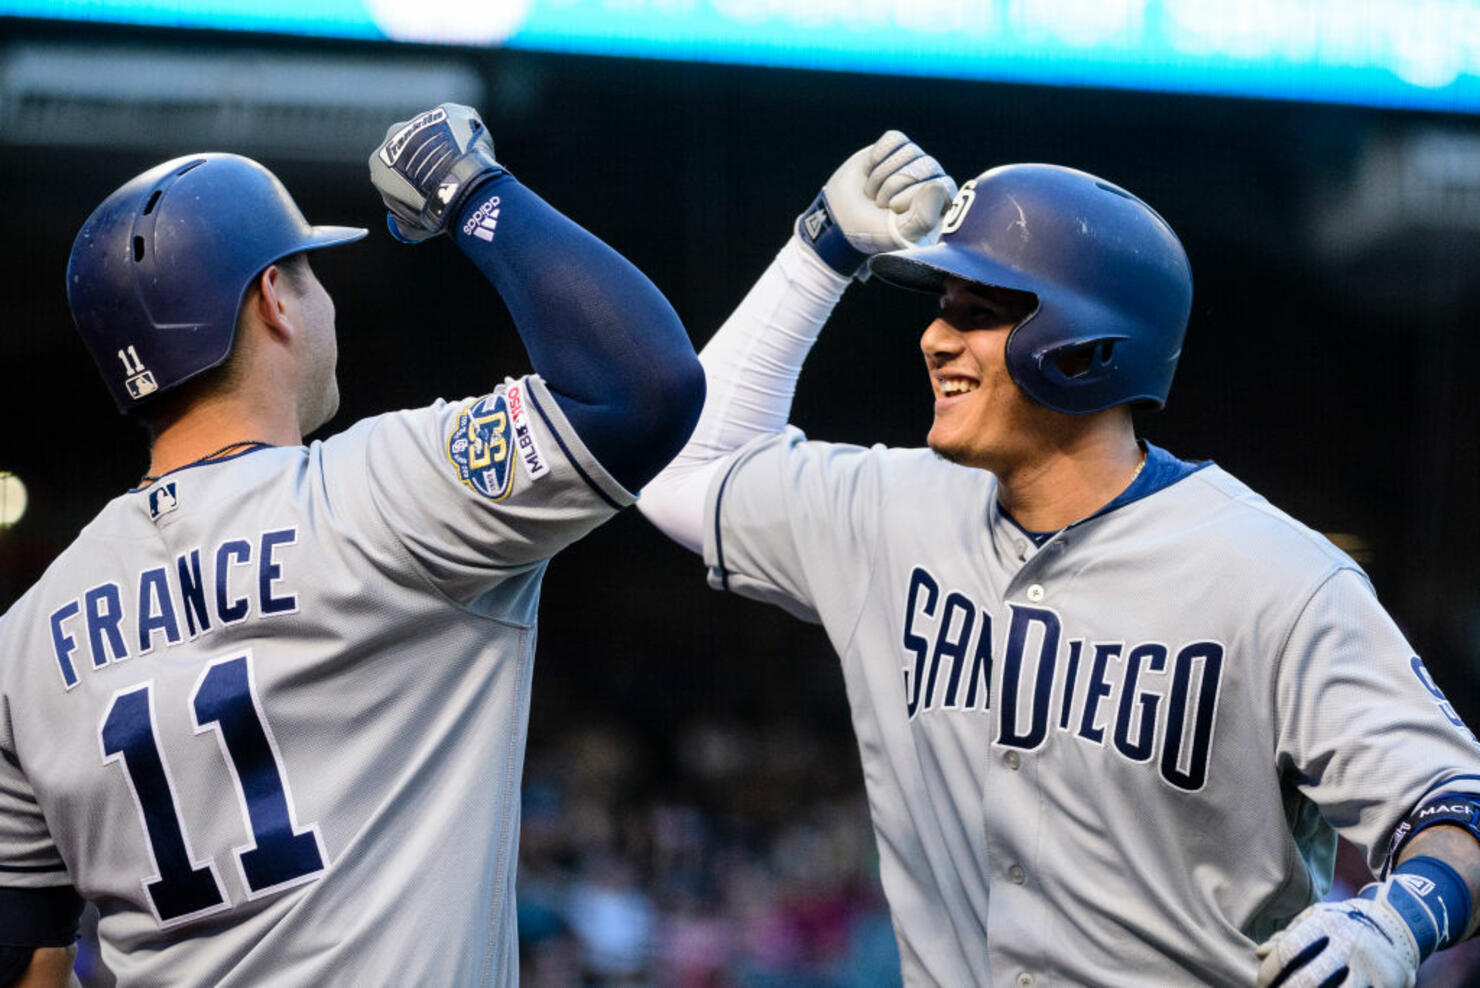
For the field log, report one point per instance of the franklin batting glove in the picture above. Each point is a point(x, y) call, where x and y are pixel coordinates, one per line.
point(1377, 939)
point(1356, 942)
point(887, 196)
point(428, 165)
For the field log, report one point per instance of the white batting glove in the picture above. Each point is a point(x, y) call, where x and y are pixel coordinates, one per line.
point(1360, 942)
point(887, 196)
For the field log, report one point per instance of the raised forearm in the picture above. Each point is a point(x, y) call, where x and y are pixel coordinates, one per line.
point(609, 346)
point(887, 195)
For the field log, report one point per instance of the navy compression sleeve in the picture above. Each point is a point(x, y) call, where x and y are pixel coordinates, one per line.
point(609, 346)
point(32, 918)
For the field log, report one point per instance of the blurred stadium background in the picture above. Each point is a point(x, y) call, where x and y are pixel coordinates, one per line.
point(693, 807)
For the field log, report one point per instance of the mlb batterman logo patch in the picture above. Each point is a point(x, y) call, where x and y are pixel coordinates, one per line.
point(163, 500)
point(479, 447)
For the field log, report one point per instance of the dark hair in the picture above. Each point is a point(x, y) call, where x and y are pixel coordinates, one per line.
point(294, 268)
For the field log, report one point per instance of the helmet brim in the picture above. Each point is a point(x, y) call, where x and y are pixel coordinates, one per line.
point(332, 236)
point(924, 269)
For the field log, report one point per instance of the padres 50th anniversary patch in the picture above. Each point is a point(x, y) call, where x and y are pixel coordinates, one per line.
point(489, 436)
point(479, 447)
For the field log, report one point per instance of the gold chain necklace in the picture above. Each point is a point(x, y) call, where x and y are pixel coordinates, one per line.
point(1141, 466)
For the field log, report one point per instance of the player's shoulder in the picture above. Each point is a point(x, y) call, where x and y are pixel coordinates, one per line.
point(887, 479)
point(912, 468)
point(77, 561)
point(1245, 523)
point(897, 466)
point(420, 426)
point(441, 419)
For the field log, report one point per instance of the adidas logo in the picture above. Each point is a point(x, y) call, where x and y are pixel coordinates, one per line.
point(486, 226)
point(484, 220)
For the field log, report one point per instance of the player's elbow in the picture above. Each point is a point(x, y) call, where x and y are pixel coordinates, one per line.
point(673, 398)
point(644, 417)
point(685, 390)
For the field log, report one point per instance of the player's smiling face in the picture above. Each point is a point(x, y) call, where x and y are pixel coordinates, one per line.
point(981, 417)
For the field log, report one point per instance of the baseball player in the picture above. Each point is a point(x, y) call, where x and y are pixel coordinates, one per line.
point(268, 711)
point(1113, 707)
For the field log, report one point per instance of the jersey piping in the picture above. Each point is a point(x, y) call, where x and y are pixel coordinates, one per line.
point(574, 462)
point(203, 463)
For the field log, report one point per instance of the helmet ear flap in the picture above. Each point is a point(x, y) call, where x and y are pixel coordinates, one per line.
point(1078, 360)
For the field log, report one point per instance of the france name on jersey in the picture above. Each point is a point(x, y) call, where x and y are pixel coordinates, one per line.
point(1116, 759)
point(269, 712)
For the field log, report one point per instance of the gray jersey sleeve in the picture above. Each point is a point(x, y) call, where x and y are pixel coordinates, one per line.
point(28, 858)
point(794, 523)
point(1348, 679)
point(477, 490)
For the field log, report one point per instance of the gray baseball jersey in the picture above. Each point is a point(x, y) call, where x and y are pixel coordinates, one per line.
point(1119, 758)
point(269, 712)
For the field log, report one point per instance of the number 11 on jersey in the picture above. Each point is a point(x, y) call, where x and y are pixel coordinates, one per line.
point(280, 854)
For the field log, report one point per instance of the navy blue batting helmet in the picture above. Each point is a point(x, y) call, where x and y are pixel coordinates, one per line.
point(1111, 279)
point(159, 270)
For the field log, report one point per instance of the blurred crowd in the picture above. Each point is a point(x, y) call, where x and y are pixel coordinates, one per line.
point(725, 855)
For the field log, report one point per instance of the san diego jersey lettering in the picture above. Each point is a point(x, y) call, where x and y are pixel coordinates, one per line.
point(1149, 703)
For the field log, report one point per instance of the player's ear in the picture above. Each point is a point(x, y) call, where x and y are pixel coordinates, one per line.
point(268, 299)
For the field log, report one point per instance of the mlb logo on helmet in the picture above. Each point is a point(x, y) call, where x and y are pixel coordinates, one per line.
point(141, 384)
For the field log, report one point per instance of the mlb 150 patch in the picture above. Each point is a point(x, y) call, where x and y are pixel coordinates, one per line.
point(479, 447)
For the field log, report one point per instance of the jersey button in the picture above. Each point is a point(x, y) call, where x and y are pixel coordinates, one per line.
point(1016, 875)
point(1025, 980)
point(1035, 592)
point(1013, 760)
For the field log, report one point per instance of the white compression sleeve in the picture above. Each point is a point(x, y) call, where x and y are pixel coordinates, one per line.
point(751, 365)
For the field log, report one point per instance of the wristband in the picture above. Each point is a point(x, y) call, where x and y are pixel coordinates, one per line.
point(819, 231)
point(1432, 899)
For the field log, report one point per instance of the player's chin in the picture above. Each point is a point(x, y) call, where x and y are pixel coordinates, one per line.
point(941, 443)
point(324, 408)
